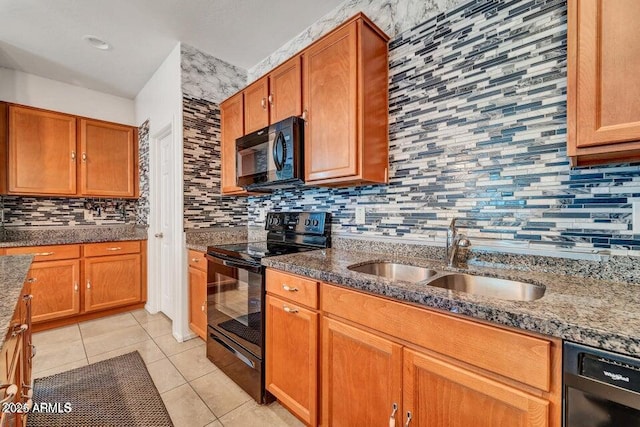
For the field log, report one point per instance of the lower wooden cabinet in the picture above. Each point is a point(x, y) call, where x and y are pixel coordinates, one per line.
point(291, 369)
point(111, 281)
point(361, 377)
point(55, 289)
point(198, 293)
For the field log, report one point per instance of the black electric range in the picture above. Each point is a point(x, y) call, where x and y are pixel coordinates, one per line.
point(236, 294)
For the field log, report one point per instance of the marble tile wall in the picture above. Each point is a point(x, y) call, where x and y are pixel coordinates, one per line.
point(61, 211)
point(204, 207)
point(478, 131)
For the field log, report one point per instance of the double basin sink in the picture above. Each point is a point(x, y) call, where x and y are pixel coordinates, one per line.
point(472, 284)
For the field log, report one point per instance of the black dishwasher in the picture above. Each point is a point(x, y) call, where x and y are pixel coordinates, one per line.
point(601, 389)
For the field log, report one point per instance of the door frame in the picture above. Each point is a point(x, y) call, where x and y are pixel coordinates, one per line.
point(177, 261)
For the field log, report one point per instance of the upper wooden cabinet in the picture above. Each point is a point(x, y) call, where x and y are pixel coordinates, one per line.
point(232, 127)
point(345, 97)
point(603, 97)
point(48, 153)
point(41, 152)
point(109, 161)
point(256, 107)
point(285, 90)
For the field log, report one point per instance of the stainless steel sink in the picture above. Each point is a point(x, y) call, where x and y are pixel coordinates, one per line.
point(489, 286)
point(395, 271)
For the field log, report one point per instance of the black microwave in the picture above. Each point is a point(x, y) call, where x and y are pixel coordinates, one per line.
point(271, 158)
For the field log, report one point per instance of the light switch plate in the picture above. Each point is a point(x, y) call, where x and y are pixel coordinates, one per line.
point(360, 215)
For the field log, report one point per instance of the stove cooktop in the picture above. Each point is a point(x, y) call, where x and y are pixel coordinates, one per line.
point(254, 251)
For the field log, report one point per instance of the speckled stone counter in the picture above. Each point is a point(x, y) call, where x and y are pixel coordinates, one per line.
point(13, 272)
point(596, 312)
point(70, 235)
point(198, 240)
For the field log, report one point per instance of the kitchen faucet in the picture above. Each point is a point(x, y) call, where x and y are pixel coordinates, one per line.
point(454, 241)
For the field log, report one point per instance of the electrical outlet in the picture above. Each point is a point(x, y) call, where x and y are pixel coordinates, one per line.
point(635, 217)
point(88, 215)
point(360, 215)
point(261, 215)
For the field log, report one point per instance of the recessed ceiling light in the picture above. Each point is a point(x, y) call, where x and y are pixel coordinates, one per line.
point(96, 42)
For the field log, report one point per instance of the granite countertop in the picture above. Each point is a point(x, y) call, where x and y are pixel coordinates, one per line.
point(71, 235)
point(199, 239)
point(600, 313)
point(13, 272)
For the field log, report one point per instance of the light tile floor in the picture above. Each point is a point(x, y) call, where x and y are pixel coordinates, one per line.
point(195, 392)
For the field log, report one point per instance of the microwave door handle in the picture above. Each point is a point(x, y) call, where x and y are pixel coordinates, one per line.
point(279, 162)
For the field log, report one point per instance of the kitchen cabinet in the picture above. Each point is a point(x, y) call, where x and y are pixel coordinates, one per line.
point(109, 159)
point(603, 97)
point(291, 343)
point(198, 293)
point(15, 361)
point(45, 153)
point(256, 106)
point(345, 100)
point(55, 278)
point(41, 152)
point(285, 90)
point(70, 283)
point(232, 128)
point(112, 280)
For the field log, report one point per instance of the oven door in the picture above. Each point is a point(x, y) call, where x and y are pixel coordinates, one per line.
point(235, 300)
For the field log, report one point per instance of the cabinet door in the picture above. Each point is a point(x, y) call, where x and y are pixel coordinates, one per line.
point(42, 152)
point(330, 98)
point(109, 164)
point(437, 393)
point(285, 91)
point(111, 281)
point(256, 111)
point(291, 369)
point(55, 289)
point(361, 377)
point(198, 302)
point(232, 127)
point(608, 64)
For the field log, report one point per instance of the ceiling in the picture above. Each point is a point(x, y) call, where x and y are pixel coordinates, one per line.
point(44, 37)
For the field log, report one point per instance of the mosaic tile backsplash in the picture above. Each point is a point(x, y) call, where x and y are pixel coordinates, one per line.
point(478, 131)
point(203, 205)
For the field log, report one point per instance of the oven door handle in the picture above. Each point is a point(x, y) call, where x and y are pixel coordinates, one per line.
point(235, 263)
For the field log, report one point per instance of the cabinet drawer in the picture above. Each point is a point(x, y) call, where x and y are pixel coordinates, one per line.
point(48, 253)
point(294, 288)
point(111, 248)
point(197, 260)
point(523, 358)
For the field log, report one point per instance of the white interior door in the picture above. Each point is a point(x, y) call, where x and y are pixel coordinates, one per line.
point(166, 201)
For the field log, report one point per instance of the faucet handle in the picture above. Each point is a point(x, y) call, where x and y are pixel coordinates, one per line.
point(463, 242)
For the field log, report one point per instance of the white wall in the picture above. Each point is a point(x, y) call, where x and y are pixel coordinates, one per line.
point(28, 89)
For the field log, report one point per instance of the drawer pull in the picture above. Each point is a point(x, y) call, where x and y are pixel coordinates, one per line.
point(115, 248)
point(44, 253)
point(195, 259)
point(289, 288)
point(392, 418)
point(27, 297)
point(408, 419)
point(75, 287)
point(88, 284)
point(11, 391)
point(289, 309)
point(32, 280)
point(20, 329)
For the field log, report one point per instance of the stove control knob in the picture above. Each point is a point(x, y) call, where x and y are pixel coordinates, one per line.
point(307, 222)
point(315, 222)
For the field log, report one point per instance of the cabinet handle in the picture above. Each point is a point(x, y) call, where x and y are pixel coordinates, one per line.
point(263, 103)
point(408, 419)
point(27, 297)
point(159, 235)
point(84, 157)
point(203, 307)
point(271, 98)
point(115, 248)
point(88, 284)
point(304, 115)
point(20, 329)
point(73, 155)
point(195, 259)
point(43, 253)
point(32, 280)
point(11, 391)
point(289, 309)
point(33, 351)
point(392, 418)
point(75, 287)
point(289, 288)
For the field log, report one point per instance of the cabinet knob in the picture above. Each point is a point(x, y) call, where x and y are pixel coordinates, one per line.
point(289, 288)
point(392, 418)
point(408, 419)
point(304, 116)
point(32, 280)
point(84, 157)
point(203, 307)
point(289, 309)
point(195, 259)
point(75, 287)
point(263, 103)
point(271, 98)
point(20, 329)
point(88, 284)
point(73, 155)
point(11, 391)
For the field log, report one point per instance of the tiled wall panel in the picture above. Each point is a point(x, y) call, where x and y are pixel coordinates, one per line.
point(478, 131)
